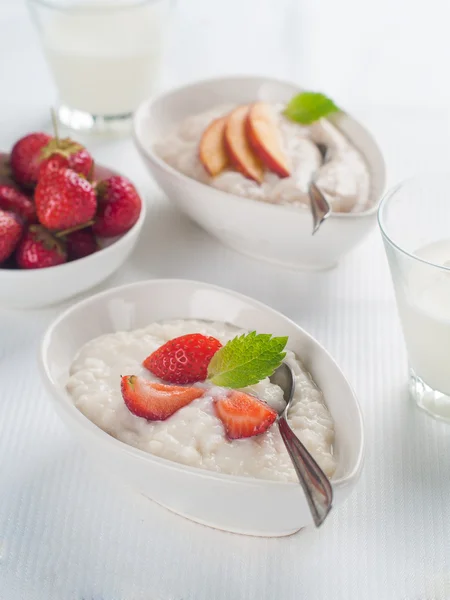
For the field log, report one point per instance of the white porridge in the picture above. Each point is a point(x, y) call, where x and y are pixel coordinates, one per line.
point(194, 435)
point(342, 175)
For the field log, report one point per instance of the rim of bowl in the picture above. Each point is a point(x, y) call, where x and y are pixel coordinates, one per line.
point(387, 196)
point(134, 230)
point(147, 105)
point(101, 436)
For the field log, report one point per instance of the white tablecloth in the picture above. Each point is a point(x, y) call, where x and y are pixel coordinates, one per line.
point(68, 532)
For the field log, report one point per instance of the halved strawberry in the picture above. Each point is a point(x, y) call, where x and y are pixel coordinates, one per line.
point(243, 415)
point(184, 359)
point(155, 401)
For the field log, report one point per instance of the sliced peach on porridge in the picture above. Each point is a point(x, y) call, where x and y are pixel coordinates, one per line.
point(265, 139)
point(212, 153)
point(238, 147)
point(274, 151)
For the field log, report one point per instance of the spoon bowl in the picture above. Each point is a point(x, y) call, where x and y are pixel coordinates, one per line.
point(320, 207)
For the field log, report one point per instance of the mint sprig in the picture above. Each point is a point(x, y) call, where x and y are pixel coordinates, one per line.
point(246, 360)
point(307, 107)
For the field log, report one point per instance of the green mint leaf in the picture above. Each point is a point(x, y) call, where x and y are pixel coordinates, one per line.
point(307, 107)
point(246, 359)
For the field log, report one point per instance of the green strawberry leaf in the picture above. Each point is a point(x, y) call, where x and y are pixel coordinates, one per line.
point(246, 359)
point(307, 107)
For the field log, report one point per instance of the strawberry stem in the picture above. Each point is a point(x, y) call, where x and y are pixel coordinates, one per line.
point(65, 232)
point(90, 175)
point(100, 189)
point(5, 169)
point(55, 125)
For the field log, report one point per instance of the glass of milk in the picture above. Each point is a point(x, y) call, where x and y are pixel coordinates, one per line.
point(105, 56)
point(414, 219)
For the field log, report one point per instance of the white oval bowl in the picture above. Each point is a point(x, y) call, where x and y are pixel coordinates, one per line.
point(233, 503)
point(278, 234)
point(35, 288)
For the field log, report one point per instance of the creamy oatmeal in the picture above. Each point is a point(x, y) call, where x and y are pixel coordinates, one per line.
point(194, 435)
point(318, 151)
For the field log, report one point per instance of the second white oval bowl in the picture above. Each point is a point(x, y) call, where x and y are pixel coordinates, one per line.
point(279, 234)
point(233, 503)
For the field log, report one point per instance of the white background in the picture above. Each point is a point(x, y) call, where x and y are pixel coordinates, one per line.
point(68, 532)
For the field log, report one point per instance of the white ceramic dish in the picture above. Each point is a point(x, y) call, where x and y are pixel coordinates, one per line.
point(275, 233)
point(232, 503)
point(34, 288)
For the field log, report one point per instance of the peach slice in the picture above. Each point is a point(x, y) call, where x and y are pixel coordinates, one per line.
point(238, 148)
point(212, 151)
point(265, 139)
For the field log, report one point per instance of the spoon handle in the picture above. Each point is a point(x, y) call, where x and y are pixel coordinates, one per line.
point(315, 483)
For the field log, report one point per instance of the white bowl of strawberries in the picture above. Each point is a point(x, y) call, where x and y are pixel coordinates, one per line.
point(66, 224)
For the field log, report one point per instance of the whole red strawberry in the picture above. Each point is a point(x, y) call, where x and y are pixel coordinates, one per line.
point(184, 359)
point(13, 200)
point(119, 206)
point(10, 233)
point(64, 199)
point(81, 243)
point(56, 162)
point(73, 156)
point(26, 158)
point(39, 249)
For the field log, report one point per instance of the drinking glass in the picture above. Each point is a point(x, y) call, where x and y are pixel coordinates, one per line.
point(414, 219)
point(105, 56)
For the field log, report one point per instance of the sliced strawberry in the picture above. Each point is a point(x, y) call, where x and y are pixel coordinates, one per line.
point(184, 359)
point(243, 415)
point(155, 401)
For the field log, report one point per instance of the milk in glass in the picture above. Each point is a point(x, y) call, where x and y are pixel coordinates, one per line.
point(105, 57)
point(425, 315)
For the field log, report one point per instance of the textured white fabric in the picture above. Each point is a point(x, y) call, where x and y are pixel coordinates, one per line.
point(68, 532)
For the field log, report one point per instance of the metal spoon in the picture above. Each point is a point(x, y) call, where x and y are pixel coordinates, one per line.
point(315, 483)
point(320, 207)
